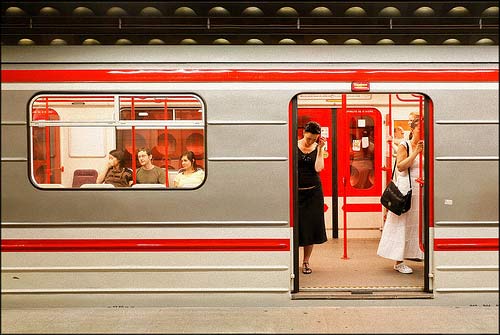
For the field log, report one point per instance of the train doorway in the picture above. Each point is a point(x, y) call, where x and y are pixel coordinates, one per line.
point(361, 148)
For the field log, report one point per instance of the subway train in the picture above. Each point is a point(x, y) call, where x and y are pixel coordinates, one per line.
point(232, 238)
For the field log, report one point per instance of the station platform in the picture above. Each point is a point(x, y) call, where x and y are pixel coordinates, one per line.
point(256, 320)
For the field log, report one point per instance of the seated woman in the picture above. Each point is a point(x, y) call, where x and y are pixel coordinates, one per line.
point(114, 171)
point(190, 175)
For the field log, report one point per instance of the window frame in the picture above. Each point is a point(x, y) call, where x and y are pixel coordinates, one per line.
point(111, 125)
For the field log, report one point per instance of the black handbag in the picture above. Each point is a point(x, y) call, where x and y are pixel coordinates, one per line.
point(393, 199)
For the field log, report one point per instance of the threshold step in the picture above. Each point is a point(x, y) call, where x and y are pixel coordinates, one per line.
point(360, 294)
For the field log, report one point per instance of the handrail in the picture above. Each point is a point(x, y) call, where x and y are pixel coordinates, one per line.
point(420, 180)
point(165, 134)
point(48, 171)
point(344, 256)
point(410, 100)
point(134, 157)
point(344, 181)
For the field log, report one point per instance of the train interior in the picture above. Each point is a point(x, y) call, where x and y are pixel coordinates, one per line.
point(362, 132)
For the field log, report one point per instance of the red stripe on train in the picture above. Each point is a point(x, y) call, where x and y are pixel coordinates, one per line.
point(258, 75)
point(466, 244)
point(146, 245)
point(193, 245)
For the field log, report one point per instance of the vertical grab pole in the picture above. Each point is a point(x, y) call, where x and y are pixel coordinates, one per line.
point(388, 160)
point(134, 166)
point(420, 180)
point(165, 132)
point(344, 256)
point(48, 167)
point(344, 169)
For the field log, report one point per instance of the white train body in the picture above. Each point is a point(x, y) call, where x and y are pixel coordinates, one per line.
point(232, 239)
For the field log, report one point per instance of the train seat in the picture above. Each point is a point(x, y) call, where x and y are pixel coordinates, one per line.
point(84, 176)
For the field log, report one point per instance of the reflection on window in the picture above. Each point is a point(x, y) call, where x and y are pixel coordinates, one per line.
point(72, 136)
point(361, 130)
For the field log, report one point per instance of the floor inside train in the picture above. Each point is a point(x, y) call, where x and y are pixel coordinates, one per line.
point(363, 270)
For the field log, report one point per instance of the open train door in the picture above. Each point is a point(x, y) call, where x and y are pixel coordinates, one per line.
point(358, 165)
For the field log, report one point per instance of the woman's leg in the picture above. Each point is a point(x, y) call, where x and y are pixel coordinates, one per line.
point(307, 252)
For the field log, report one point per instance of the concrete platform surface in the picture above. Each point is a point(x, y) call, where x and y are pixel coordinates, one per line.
point(256, 320)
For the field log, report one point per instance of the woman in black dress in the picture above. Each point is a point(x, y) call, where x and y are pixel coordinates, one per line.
point(311, 202)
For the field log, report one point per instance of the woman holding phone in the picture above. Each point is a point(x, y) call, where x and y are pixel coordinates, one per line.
point(311, 202)
point(400, 237)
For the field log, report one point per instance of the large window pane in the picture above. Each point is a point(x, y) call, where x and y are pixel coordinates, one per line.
point(72, 136)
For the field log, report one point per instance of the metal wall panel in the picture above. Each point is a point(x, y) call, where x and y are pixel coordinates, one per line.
point(263, 54)
point(15, 104)
point(466, 105)
point(472, 186)
point(459, 271)
point(469, 140)
point(246, 105)
point(143, 272)
point(14, 141)
point(253, 141)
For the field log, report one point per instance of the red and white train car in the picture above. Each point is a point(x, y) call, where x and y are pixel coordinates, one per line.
point(233, 239)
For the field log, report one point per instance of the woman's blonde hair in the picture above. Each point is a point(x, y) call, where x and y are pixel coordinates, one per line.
point(414, 123)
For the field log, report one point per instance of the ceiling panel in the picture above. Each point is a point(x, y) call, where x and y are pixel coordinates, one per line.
point(249, 22)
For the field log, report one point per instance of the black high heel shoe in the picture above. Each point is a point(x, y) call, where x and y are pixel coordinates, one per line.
point(306, 269)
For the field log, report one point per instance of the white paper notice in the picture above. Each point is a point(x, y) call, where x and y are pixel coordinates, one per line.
point(356, 145)
point(364, 142)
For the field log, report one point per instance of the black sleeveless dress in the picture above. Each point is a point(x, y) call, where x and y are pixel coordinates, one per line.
point(311, 202)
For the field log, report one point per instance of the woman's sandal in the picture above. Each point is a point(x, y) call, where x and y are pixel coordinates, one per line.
point(306, 269)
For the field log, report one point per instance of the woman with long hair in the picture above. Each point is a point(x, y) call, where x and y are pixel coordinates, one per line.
point(190, 175)
point(399, 239)
point(114, 171)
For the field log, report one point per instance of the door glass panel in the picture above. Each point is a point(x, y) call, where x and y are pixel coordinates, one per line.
point(362, 173)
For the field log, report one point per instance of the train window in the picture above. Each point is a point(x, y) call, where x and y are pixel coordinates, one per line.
point(71, 133)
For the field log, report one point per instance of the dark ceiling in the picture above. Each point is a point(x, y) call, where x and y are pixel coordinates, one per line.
point(249, 22)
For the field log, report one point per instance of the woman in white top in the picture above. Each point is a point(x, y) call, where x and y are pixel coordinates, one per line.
point(190, 175)
point(400, 233)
